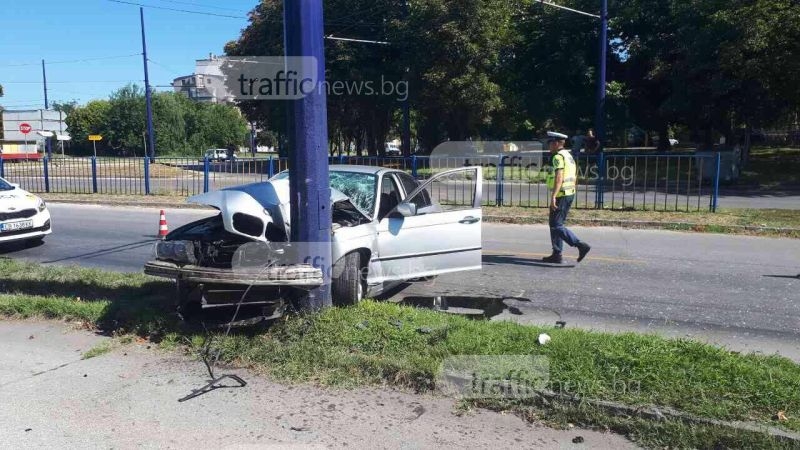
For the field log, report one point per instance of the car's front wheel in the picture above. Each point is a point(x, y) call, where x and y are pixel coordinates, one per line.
point(347, 284)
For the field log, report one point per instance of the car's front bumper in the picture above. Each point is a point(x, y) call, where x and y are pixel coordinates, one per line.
point(299, 275)
point(41, 227)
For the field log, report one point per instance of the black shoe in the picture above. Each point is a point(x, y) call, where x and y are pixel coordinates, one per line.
point(583, 249)
point(553, 259)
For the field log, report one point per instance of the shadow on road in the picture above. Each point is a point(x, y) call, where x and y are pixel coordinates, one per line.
point(791, 277)
point(11, 247)
point(518, 261)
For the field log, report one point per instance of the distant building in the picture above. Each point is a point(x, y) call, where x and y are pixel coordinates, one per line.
point(43, 122)
point(206, 84)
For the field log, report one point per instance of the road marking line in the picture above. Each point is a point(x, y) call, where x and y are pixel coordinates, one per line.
point(542, 255)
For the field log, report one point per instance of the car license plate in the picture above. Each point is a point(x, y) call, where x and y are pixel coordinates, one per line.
point(15, 226)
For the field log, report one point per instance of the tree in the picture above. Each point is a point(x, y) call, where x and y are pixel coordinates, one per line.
point(92, 118)
point(66, 107)
point(182, 126)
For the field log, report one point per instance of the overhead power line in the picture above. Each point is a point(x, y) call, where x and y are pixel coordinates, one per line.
point(72, 82)
point(584, 13)
point(200, 5)
point(70, 61)
point(187, 11)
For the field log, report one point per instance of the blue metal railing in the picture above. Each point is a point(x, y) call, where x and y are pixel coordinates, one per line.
point(674, 181)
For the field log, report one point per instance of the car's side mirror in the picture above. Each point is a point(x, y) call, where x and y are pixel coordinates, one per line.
point(404, 209)
point(14, 185)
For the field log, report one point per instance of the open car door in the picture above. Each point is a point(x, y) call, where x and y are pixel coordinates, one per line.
point(436, 229)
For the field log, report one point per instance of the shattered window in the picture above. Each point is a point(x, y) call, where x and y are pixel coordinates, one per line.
point(360, 187)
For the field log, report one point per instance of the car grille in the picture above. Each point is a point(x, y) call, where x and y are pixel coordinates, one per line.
point(24, 214)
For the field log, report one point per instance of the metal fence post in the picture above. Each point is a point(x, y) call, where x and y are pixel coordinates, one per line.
point(601, 181)
point(94, 175)
point(146, 175)
point(270, 167)
point(341, 159)
point(414, 166)
point(715, 195)
point(46, 174)
point(206, 170)
point(499, 180)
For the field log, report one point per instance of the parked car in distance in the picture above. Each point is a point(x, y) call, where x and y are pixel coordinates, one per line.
point(388, 228)
point(217, 154)
point(393, 149)
point(23, 216)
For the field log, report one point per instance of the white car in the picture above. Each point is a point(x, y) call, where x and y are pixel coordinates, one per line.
point(23, 216)
point(217, 154)
point(387, 229)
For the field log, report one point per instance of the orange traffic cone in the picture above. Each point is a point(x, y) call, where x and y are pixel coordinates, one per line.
point(163, 229)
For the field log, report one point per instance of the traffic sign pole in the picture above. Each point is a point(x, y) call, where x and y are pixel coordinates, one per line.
point(25, 128)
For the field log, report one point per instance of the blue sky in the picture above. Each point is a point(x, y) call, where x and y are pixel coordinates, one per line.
point(61, 30)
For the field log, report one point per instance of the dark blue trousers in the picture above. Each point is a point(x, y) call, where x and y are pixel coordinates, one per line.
point(558, 232)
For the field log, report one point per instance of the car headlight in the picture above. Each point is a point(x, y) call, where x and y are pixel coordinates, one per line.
point(42, 205)
point(177, 251)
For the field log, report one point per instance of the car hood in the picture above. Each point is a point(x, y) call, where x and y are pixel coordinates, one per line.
point(16, 200)
point(269, 201)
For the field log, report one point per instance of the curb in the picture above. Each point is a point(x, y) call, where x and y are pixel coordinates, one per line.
point(657, 414)
point(129, 203)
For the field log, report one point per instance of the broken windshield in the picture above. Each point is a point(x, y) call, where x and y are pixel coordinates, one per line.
point(359, 187)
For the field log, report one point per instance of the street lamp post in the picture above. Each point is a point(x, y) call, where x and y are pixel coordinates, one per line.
point(600, 104)
point(600, 113)
point(151, 139)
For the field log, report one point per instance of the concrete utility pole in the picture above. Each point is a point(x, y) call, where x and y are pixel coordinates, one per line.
point(308, 157)
point(151, 138)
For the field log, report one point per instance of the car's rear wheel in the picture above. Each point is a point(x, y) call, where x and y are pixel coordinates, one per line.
point(347, 284)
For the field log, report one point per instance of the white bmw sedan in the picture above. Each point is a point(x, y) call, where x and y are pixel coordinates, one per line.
point(387, 229)
point(23, 216)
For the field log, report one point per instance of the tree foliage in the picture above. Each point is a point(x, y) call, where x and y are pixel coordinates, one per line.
point(182, 126)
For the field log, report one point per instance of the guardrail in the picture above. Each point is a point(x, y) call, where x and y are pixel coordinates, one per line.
point(667, 182)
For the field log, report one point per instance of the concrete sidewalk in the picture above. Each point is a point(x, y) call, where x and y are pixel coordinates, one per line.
point(128, 398)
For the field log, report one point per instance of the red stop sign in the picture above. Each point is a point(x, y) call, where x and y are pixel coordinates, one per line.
point(25, 128)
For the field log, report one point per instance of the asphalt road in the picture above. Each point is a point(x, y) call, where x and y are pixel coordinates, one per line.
point(738, 291)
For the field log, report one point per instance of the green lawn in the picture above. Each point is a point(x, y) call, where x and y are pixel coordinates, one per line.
point(380, 343)
point(773, 167)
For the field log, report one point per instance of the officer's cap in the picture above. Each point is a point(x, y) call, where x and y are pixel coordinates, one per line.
point(556, 136)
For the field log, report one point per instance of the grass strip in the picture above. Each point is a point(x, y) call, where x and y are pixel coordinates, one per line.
point(757, 222)
point(381, 343)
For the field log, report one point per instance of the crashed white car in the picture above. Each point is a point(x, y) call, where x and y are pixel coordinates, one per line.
point(23, 216)
point(387, 229)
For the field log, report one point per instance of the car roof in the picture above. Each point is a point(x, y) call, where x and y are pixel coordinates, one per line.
point(372, 170)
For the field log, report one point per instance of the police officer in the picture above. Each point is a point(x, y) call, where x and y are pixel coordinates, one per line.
point(561, 185)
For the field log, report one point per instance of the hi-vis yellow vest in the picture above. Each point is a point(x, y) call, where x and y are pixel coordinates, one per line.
point(563, 161)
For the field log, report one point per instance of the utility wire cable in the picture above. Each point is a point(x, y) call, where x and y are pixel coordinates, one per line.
point(70, 61)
